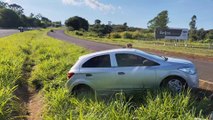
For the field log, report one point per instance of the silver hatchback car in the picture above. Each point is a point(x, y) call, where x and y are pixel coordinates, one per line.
point(128, 70)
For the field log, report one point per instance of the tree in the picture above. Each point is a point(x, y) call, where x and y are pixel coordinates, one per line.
point(97, 22)
point(192, 24)
point(210, 39)
point(17, 8)
point(77, 23)
point(9, 19)
point(24, 21)
point(56, 24)
point(201, 34)
point(31, 15)
point(100, 29)
point(38, 16)
point(3, 4)
point(12, 16)
point(210, 35)
point(120, 28)
point(46, 22)
point(125, 26)
point(160, 21)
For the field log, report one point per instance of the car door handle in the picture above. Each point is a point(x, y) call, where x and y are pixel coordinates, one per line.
point(121, 73)
point(88, 75)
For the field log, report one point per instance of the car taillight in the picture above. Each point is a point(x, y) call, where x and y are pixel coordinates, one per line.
point(70, 74)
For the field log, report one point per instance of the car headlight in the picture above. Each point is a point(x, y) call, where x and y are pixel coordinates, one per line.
point(188, 70)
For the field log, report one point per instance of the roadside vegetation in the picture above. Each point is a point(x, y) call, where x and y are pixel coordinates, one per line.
point(12, 16)
point(47, 60)
point(11, 61)
point(122, 38)
point(200, 42)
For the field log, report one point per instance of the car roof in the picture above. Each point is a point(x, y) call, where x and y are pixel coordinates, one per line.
point(109, 51)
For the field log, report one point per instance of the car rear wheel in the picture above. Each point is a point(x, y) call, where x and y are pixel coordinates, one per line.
point(175, 84)
point(83, 92)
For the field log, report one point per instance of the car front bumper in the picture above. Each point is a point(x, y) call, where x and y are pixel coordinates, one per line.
point(193, 81)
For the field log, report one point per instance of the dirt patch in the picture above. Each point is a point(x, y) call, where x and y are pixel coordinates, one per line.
point(30, 100)
point(23, 96)
point(206, 85)
point(35, 107)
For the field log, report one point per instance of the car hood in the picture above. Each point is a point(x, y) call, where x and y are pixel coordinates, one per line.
point(178, 61)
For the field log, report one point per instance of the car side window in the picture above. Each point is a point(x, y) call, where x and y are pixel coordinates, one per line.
point(128, 60)
point(102, 61)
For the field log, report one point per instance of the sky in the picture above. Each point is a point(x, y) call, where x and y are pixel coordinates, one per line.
point(135, 12)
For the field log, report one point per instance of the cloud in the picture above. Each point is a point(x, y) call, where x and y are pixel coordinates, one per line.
point(9, 1)
point(73, 2)
point(94, 4)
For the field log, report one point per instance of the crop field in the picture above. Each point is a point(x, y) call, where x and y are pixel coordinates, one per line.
point(33, 64)
point(189, 48)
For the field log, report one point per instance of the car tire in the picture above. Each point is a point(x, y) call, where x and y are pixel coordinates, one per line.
point(83, 92)
point(175, 84)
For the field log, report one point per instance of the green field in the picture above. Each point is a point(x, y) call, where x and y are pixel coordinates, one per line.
point(193, 48)
point(39, 62)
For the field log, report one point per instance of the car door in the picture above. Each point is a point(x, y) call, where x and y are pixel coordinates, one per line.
point(98, 72)
point(134, 72)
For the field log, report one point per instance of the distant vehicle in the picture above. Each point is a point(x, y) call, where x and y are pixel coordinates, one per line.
point(128, 70)
point(21, 29)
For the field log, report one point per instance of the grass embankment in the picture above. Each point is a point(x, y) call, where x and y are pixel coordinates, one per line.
point(51, 61)
point(194, 48)
point(13, 55)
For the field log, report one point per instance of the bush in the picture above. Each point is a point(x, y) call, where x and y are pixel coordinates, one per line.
point(77, 23)
point(149, 35)
point(79, 33)
point(115, 35)
point(127, 35)
point(92, 34)
point(70, 28)
point(137, 35)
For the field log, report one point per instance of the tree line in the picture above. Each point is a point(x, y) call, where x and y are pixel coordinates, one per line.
point(12, 16)
point(160, 21)
point(79, 23)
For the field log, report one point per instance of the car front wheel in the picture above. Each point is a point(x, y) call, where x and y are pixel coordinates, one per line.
point(175, 84)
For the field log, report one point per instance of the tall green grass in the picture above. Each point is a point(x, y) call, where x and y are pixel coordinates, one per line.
point(11, 61)
point(52, 59)
point(158, 105)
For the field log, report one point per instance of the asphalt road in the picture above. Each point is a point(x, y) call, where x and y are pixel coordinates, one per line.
point(205, 68)
point(7, 32)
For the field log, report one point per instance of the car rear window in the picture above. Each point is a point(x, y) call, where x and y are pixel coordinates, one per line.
point(102, 61)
